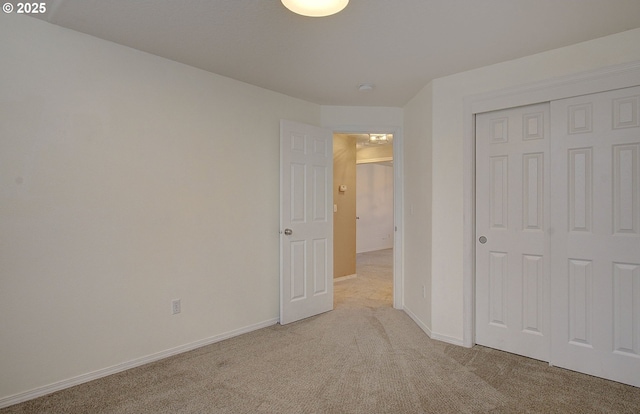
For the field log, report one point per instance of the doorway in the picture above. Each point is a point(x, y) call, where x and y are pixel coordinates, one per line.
point(306, 260)
point(363, 202)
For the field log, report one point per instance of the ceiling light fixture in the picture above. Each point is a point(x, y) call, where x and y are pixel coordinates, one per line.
point(315, 8)
point(378, 138)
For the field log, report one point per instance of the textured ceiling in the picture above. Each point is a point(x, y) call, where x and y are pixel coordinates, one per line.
point(399, 45)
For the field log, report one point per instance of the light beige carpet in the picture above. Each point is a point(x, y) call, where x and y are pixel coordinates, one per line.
point(363, 357)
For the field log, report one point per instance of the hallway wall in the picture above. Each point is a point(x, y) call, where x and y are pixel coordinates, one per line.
point(344, 223)
point(374, 207)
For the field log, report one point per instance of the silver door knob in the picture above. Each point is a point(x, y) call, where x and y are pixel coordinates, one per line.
point(288, 232)
point(482, 239)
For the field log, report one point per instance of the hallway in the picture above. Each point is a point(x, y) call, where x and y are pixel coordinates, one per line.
point(373, 287)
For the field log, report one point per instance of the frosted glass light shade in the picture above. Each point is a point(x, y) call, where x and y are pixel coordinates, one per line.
point(315, 8)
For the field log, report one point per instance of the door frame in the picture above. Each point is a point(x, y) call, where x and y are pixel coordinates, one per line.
point(398, 196)
point(582, 83)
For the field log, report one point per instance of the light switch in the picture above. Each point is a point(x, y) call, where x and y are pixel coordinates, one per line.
point(335, 208)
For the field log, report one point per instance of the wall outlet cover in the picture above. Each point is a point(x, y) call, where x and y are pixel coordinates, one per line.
point(175, 306)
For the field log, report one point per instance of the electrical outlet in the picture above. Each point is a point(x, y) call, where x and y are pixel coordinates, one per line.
point(175, 306)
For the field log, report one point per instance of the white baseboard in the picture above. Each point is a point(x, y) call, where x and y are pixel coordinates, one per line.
point(417, 320)
point(341, 278)
point(80, 379)
point(430, 334)
point(448, 339)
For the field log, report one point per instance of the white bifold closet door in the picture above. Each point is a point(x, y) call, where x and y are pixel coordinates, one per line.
point(595, 245)
point(558, 210)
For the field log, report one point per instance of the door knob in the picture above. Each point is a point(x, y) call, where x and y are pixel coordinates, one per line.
point(482, 239)
point(288, 232)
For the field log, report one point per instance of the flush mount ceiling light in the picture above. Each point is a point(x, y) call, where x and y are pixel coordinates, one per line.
point(378, 138)
point(315, 8)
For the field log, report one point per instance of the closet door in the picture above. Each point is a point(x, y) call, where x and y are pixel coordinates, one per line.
point(512, 215)
point(595, 242)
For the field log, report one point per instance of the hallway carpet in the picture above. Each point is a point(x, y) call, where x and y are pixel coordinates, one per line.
point(363, 357)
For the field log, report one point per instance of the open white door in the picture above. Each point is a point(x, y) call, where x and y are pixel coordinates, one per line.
point(306, 221)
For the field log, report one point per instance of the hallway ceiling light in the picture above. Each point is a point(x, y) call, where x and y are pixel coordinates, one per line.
point(315, 8)
point(378, 138)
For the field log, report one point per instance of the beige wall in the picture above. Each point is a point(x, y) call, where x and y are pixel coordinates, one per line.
point(344, 223)
point(126, 181)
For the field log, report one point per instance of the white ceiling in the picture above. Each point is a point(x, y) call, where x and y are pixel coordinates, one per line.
point(399, 45)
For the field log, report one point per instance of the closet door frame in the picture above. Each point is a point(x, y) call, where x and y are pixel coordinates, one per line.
point(600, 80)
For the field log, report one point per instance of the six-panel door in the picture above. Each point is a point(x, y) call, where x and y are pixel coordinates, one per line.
point(512, 213)
point(306, 220)
point(595, 283)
